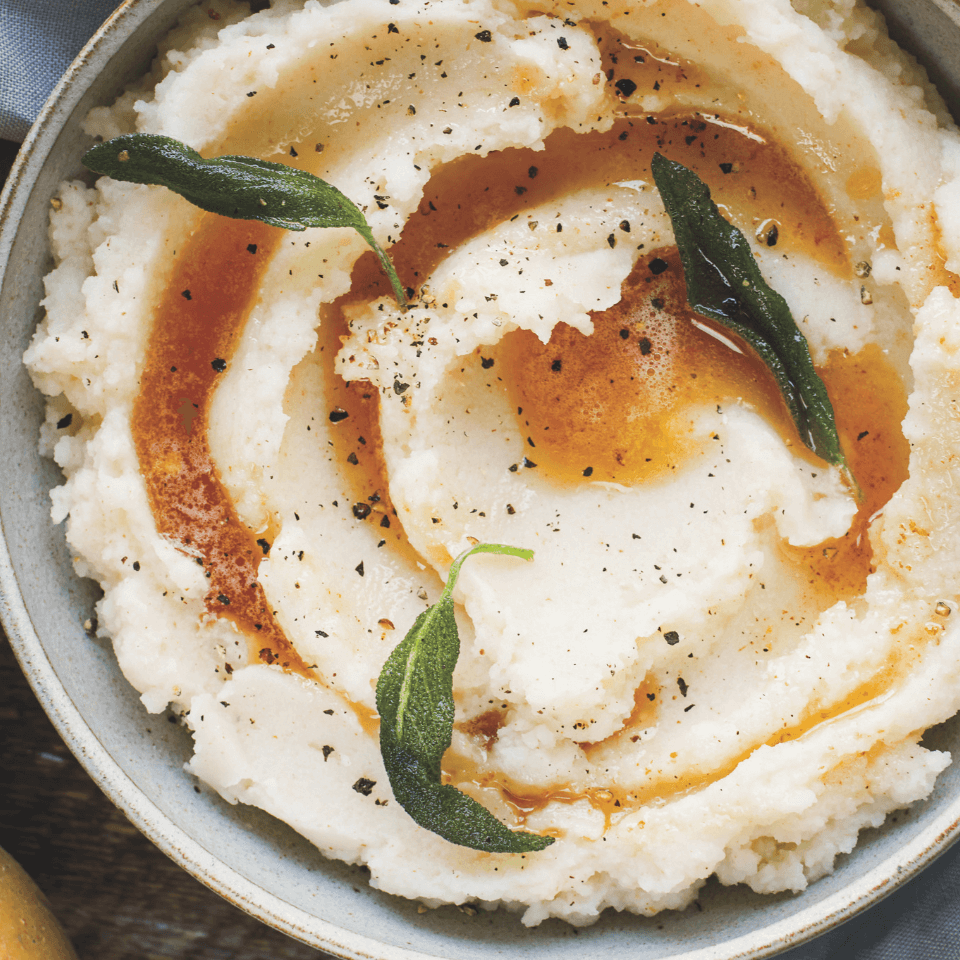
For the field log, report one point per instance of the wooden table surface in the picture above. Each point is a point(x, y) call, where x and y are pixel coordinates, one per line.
point(117, 896)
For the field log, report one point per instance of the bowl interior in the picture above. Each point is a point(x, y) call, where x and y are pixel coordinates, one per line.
point(137, 758)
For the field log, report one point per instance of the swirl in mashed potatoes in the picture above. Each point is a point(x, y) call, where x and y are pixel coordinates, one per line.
point(720, 662)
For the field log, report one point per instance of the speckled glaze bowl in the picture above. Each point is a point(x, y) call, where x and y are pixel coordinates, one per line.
point(242, 853)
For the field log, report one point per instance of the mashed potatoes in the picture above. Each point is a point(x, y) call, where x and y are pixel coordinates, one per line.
point(721, 661)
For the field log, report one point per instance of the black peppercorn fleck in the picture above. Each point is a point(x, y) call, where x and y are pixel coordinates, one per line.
point(657, 266)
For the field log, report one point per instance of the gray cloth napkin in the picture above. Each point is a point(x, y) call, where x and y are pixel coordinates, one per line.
point(921, 921)
point(38, 41)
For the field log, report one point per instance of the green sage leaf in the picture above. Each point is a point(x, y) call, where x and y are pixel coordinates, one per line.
point(724, 283)
point(243, 188)
point(415, 702)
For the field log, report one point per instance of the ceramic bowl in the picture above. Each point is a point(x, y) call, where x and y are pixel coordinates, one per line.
point(245, 855)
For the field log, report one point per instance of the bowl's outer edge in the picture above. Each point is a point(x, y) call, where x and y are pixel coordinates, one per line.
point(800, 926)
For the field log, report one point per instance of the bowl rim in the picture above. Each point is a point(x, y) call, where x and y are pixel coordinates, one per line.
point(804, 925)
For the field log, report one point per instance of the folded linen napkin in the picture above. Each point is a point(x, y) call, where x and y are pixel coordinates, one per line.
point(920, 921)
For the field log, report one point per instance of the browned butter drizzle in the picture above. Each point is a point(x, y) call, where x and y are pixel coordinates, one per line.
point(198, 322)
point(518, 801)
point(686, 366)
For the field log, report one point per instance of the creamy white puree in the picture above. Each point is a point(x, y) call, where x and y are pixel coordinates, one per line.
point(561, 646)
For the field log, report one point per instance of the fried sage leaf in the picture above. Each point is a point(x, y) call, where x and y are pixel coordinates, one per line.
point(242, 188)
point(415, 702)
point(725, 284)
